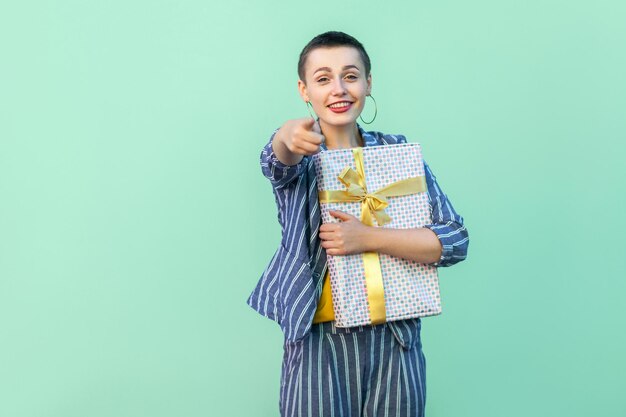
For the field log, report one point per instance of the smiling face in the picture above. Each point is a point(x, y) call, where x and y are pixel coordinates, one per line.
point(336, 84)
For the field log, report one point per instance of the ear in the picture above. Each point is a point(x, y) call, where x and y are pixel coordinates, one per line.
point(369, 84)
point(302, 90)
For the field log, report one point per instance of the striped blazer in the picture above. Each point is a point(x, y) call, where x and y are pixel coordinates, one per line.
point(290, 287)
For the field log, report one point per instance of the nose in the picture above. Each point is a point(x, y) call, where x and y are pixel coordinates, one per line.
point(338, 88)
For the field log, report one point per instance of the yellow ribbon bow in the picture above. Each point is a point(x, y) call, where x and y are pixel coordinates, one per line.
point(372, 205)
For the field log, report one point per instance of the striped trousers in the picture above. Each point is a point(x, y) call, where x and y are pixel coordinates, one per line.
point(349, 372)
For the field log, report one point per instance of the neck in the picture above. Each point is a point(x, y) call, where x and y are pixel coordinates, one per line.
point(341, 137)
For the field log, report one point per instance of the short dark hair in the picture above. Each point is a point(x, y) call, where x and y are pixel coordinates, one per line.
point(328, 40)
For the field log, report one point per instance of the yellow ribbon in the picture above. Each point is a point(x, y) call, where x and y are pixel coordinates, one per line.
point(372, 205)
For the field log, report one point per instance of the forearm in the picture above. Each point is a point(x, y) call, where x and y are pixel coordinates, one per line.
point(279, 173)
point(283, 154)
point(420, 244)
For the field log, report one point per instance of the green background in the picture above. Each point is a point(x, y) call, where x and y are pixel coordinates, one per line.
point(135, 221)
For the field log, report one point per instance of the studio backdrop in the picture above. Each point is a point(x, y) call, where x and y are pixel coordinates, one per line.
point(135, 220)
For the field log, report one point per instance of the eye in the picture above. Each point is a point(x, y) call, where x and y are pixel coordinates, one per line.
point(352, 76)
point(321, 79)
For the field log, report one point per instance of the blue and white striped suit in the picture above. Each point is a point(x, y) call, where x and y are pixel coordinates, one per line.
point(352, 372)
point(290, 287)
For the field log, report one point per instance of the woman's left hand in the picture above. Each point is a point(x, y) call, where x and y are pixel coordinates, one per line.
point(348, 237)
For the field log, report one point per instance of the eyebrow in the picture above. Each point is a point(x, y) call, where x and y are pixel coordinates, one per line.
point(329, 70)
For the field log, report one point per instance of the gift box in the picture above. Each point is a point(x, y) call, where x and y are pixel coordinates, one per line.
point(383, 186)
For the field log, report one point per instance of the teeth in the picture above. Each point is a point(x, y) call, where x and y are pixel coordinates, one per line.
point(339, 105)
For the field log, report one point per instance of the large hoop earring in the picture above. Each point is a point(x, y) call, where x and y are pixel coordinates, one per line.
point(309, 107)
point(375, 111)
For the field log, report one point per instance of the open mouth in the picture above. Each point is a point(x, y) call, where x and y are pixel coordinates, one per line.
point(340, 107)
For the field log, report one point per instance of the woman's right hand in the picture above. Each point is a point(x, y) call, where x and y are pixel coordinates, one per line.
point(296, 138)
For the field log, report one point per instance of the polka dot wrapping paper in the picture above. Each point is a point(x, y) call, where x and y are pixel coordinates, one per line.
point(411, 289)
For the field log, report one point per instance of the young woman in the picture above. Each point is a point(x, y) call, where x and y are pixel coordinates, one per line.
point(329, 371)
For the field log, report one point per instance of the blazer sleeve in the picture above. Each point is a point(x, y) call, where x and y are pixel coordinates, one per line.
point(447, 224)
point(279, 174)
